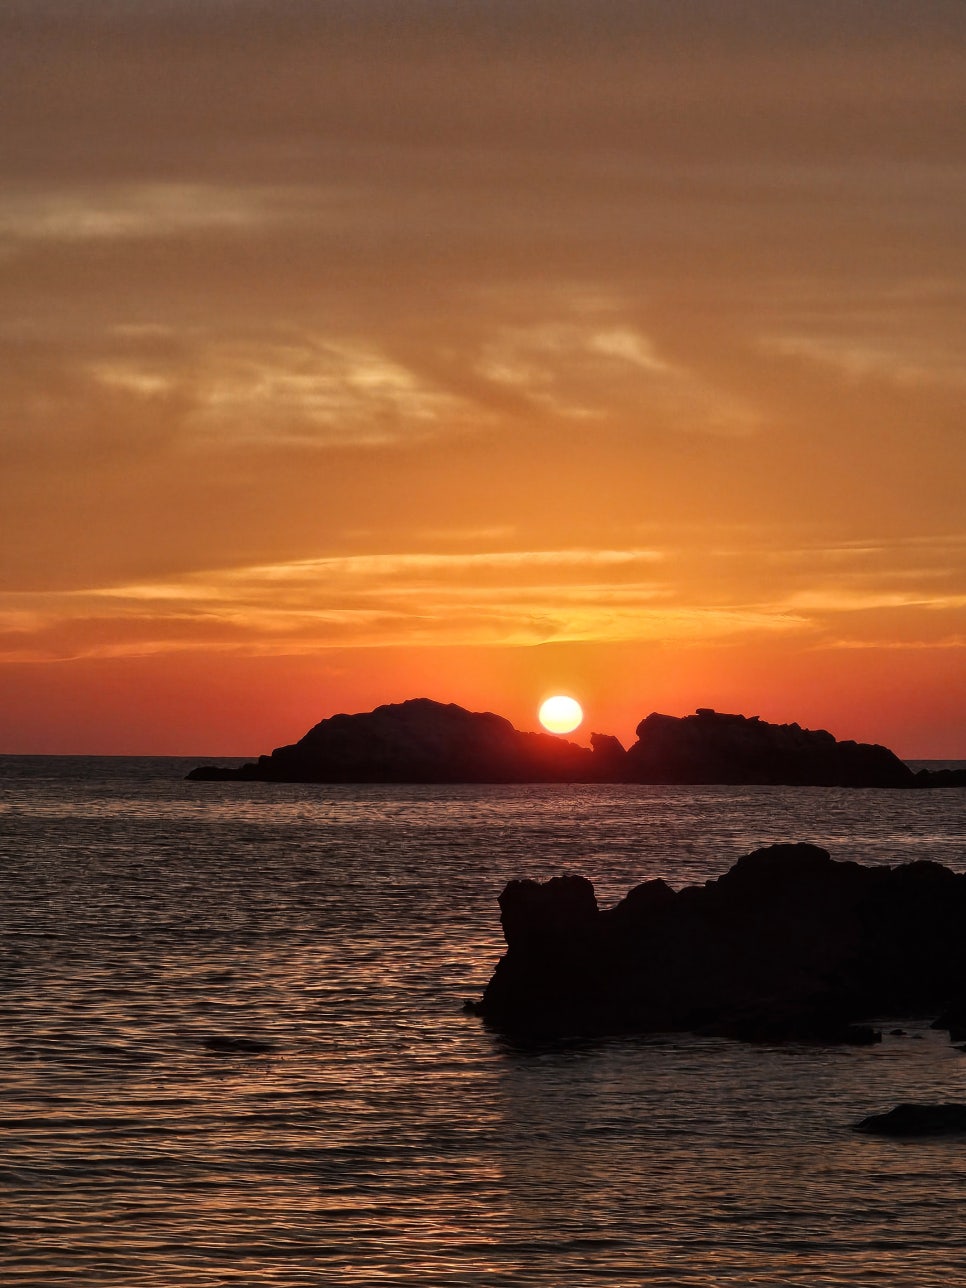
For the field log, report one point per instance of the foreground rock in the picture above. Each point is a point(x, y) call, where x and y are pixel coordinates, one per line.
point(421, 741)
point(916, 1120)
point(787, 945)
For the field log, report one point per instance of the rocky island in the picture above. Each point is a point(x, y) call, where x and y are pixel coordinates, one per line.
point(787, 945)
point(422, 741)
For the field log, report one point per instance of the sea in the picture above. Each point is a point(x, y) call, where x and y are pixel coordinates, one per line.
point(235, 1049)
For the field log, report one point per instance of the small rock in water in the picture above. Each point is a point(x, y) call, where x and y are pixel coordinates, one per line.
point(221, 1044)
point(916, 1120)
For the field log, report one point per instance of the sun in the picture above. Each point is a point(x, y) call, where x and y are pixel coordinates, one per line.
point(560, 714)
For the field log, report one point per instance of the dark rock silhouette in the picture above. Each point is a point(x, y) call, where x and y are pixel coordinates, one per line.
point(787, 945)
point(710, 747)
point(916, 1120)
point(226, 1044)
point(610, 758)
point(422, 741)
point(953, 1021)
point(940, 778)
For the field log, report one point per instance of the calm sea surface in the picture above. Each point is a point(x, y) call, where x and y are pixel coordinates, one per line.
point(387, 1137)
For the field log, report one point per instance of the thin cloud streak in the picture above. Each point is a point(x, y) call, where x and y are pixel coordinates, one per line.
point(121, 212)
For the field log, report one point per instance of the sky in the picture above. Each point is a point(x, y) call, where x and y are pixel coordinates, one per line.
point(359, 351)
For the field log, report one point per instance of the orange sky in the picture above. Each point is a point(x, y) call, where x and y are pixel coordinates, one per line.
point(354, 352)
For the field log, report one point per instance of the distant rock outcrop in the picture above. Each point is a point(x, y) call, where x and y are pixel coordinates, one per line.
point(710, 747)
point(787, 945)
point(421, 741)
point(940, 778)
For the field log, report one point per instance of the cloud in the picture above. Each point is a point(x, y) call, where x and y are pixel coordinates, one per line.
point(907, 361)
point(600, 368)
point(896, 645)
point(504, 598)
point(822, 596)
point(852, 600)
point(124, 211)
point(391, 565)
point(284, 389)
point(315, 391)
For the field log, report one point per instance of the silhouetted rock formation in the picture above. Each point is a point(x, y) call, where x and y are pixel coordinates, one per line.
point(786, 945)
point(710, 747)
point(917, 1120)
point(421, 741)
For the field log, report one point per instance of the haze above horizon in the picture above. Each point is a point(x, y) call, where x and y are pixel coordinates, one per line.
point(354, 352)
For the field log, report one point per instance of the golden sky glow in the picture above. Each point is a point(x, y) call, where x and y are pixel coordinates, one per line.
point(355, 352)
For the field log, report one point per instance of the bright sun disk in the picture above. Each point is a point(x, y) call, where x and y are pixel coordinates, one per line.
point(560, 714)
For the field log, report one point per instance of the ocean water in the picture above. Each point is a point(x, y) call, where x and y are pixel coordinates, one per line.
point(380, 1135)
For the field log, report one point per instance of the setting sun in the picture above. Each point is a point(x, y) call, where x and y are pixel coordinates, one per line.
point(561, 714)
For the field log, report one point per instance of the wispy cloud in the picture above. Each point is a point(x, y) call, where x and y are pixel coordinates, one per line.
point(852, 600)
point(316, 391)
point(874, 358)
point(599, 367)
point(388, 565)
point(943, 643)
point(134, 211)
point(305, 391)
